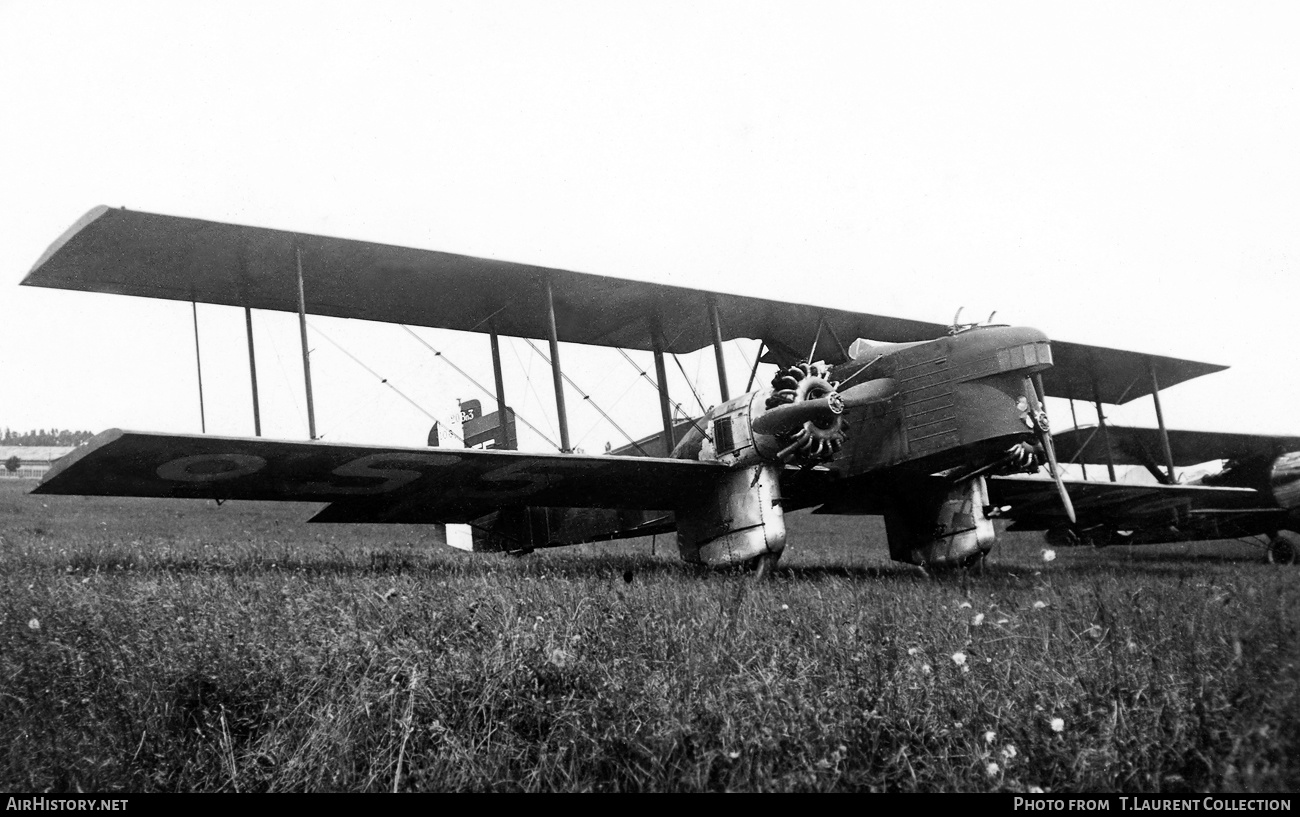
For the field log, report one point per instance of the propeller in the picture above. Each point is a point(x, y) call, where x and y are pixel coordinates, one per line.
point(785, 417)
point(1044, 433)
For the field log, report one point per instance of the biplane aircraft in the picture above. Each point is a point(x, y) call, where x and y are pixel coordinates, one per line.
point(940, 429)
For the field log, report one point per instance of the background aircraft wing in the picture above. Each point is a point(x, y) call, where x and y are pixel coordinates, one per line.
point(1136, 446)
point(1033, 503)
point(446, 485)
point(127, 252)
point(1081, 372)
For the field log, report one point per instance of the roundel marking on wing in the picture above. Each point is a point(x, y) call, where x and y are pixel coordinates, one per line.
point(211, 467)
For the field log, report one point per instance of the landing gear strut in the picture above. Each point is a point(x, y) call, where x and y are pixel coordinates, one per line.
point(763, 565)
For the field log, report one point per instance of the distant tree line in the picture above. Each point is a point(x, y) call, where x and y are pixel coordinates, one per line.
point(54, 436)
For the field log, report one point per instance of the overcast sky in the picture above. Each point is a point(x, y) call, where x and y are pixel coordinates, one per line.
point(1119, 174)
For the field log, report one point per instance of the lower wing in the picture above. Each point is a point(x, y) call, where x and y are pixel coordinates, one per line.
point(377, 483)
point(1033, 504)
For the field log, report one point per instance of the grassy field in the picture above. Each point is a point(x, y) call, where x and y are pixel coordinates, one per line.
point(162, 645)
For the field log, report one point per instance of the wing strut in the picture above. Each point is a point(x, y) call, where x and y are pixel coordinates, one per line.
point(553, 338)
point(665, 412)
point(594, 405)
point(198, 363)
point(1101, 423)
point(306, 361)
point(753, 373)
point(501, 387)
point(252, 372)
point(1160, 420)
point(1075, 418)
point(717, 350)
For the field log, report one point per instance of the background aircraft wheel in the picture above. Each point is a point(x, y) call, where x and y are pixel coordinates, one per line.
point(1282, 550)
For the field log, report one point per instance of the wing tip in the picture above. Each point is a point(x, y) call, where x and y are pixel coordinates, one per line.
point(92, 215)
point(72, 457)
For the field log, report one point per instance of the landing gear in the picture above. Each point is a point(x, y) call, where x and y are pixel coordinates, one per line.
point(1282, 549)
point(763, 565)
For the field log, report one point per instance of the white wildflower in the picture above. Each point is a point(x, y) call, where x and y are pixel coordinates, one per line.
point(993, 769)
point(34, 624)
point(1038, 605)
point(990, 736)
point(734, 755)
point(925, 669)
point(912, 650)
point(978, 620)
point(1009, 751)
point(785, 607)
point(959, 658)
point(1034, 790)
point(1058, 725)
point(1049, 555)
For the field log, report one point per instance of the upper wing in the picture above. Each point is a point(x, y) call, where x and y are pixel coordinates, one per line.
point(132, 253)
point(369, 483)
point(157, 256)
point(1035, 505)
point(1136, 446)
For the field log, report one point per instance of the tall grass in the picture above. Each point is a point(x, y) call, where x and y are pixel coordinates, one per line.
point(179, 646)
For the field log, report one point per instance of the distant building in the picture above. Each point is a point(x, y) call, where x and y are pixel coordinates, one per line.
point(34, 460)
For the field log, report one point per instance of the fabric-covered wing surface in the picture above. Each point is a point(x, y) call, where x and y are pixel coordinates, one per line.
point(127, 252)
point(1035, 505)
point(1132, 445)
point(447, 485)
point(1115, 376)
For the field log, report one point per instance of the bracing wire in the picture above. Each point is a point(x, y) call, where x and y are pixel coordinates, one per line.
point(529, 388)
point(613, 405)
point(687, 378)
point(279, 362)
point(587, 397)
point(479, 385)
point(677, 407)
point(385, 381)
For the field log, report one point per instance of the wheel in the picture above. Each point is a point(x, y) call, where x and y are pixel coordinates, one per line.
point(1281, 550)
point(763, 565)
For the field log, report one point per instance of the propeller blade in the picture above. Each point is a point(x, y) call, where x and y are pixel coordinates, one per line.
point(873, 391)
point(1045, 439)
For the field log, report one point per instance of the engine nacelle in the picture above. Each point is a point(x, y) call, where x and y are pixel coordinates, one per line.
point(941, 529)
point(1284, 480)
point(739, 519)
